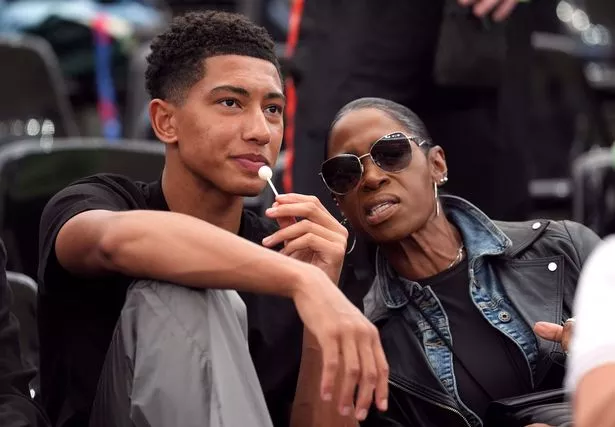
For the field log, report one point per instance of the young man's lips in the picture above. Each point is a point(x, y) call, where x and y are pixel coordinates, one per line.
point(249, 165)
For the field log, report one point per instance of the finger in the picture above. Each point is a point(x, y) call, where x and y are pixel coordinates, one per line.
point(298, 198)
point(307, 210)
point(382, 366)
point(330, 367)
point(484, 7)
point(567, 335)
point(302, 228)
point(504, 10)
point(549, 331)
point(316, 244)
point(351, 372)
point(369, 376)
point(466, 2)
point(291, 198)
point(283, 221)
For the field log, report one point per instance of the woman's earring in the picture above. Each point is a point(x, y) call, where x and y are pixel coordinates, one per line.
point(435, 191)
point(444, 179)
point(354, 236)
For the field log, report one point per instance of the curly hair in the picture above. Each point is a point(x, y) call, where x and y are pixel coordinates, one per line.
point(176, 61)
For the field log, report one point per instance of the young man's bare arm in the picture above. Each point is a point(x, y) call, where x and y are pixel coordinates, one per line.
point(172, 247)
point(184, 250)
point(308, 409)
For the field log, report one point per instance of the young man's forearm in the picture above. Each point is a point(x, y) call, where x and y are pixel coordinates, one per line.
point(184, 250)
point(309, 410)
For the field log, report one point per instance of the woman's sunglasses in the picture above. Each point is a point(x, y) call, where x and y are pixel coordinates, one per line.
point(391, 153)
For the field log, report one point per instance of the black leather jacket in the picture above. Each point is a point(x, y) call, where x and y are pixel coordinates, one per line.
point(417, 398)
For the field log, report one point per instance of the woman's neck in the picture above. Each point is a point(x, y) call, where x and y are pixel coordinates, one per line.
point(426, 252)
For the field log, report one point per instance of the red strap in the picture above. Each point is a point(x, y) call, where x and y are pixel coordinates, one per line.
point(296, 14)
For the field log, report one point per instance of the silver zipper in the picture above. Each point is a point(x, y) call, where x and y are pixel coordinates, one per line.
point(439, 405)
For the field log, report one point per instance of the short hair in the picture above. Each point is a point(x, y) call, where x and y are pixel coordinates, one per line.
point(400, 113)
point(176, 61)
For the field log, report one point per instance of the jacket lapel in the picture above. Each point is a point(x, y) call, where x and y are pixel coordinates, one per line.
point(539, 280)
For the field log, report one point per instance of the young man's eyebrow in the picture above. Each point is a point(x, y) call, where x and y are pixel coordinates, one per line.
point(276, 95)
point(230, 88)
point(244, 92)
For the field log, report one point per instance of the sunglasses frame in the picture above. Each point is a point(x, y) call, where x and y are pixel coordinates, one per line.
point(410, 139)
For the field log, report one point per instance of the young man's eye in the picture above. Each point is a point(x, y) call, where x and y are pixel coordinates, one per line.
point(229, 103)
point(274, 109)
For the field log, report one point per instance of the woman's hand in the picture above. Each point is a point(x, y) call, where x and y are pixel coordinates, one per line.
point(501, 8)
point(554, 332)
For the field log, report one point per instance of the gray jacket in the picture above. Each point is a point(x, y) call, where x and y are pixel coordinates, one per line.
point(179, 358)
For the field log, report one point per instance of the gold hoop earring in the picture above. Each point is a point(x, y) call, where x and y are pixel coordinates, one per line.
point(435, 191)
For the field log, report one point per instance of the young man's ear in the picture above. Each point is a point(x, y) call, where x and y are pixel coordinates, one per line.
point(162, 118)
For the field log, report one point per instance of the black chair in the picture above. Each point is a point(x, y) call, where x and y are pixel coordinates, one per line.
point(31, 172)
point(23, 307)
point(35, 101)
point(582, 90)
point(594, 190)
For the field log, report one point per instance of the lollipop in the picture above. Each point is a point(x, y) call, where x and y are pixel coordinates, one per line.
point(265, 173)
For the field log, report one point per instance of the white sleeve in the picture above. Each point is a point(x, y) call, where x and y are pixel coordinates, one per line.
point(593, 340)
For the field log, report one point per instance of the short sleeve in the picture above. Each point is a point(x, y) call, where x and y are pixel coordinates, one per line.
point(99, 192)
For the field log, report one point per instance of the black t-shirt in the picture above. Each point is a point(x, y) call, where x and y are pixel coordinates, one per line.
point(492, 358)
point(77, 316)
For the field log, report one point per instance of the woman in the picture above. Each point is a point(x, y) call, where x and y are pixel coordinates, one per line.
point(456, 296)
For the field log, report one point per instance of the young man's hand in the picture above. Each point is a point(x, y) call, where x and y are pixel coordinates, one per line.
point(501, 9)
point(318, 238)
point(349, 343)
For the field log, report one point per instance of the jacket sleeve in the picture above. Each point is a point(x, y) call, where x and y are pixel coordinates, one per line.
point(583, 241)
point(16, 406)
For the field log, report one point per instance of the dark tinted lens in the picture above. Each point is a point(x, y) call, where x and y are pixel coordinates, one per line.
point(341, 173)
point(392, 153)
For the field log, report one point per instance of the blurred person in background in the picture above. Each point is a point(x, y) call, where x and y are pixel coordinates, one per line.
point(469, 309)
point(17, 409)
point(462, 65)
point(591, 361)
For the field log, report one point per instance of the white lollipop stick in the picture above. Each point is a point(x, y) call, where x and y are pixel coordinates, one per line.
point(265, 174)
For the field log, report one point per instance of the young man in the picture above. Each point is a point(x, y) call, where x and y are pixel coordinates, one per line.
point(217, 104)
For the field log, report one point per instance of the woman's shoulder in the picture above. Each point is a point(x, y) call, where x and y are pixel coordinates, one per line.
point(550, 235)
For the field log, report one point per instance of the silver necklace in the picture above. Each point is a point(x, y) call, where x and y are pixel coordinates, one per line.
point(457, 258)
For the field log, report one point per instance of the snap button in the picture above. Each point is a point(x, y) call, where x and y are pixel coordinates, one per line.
point(552, 266)
point(504, 316)
point(536, 226)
